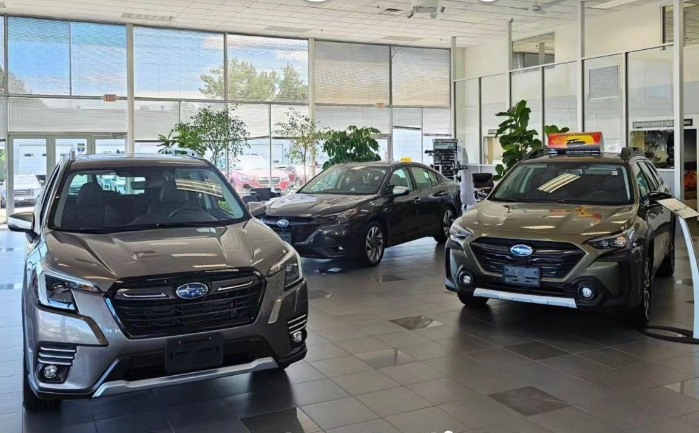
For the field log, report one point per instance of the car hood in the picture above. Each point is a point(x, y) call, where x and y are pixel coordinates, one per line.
point(105, 258)
point(306, 205)
point(543, 219)
point(260, 172)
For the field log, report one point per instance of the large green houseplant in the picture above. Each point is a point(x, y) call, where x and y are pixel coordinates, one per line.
point(516, 139)
point(305, 139)
point(352, 145)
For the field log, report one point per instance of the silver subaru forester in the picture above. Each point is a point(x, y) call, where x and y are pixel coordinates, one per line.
point(146, 271)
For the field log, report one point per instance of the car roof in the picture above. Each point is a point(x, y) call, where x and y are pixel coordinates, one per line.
point(601, 158)
point(383, 164)
point(115, 160)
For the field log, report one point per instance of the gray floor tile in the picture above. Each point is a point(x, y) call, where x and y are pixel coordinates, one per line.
point(537, 350)
point(302, 372)
point(480, 411)
point(287, 421)
point(197, 414)
point(656, 373)
point(143, 422)
point(260, 402)
point(429, 350)
point(440, 391)
point(12, 422)
point(611, 357)
point(317, 391)
point(415, 372)
point(393, 401)
point(416, 322)
point(179, 394)
point(665, 401)
point(499, 358)
point(340, 334)
point(618, 381)
point(338, 413)
point(426, 420)
point(324, 351)
point(529, 401)
point(381, 328)
point(386, 358)
point(622, 413)
point(666, 426)
point(402, 338)
point(73, 414)
point(230, 426)
point(576, 365)
point(365, 382)
point(520, 425)
point(10, 402)
point(122, 405)
point(573, 420)
point(363, 345)
point(374, 426)
point(340, 366)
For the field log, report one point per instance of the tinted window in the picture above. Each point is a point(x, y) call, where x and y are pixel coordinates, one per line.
point(100, 200)
point(652, 175)
point(644, 187)
point(347, 179)
point(47, 191)
point(584, 183)
point(422, 177)
point(400, 178)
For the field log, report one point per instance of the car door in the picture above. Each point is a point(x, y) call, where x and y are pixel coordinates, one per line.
point(401, 212)
point(665, 215)
point(429, 206)
point(651, 212)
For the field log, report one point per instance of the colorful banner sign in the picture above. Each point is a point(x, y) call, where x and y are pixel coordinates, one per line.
point(584, 141)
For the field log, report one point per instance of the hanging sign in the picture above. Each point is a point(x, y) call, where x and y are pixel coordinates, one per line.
point(575, 141)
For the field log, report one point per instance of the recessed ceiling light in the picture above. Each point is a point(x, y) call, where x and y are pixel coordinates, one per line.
point(487, 1)
point(316, 1)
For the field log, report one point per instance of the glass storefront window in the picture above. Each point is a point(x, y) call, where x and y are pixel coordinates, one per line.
point(560, 96)
point(604, 96)
point(493, 100)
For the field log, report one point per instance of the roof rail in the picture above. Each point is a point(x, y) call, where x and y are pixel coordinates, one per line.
point(71, 154)
point(628, 152)
point(536, 153)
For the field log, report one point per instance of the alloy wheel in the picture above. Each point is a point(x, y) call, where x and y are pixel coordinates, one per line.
point(447, 221)
point(374, 244)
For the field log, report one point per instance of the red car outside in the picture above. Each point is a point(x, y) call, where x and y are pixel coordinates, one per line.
point(253, 171)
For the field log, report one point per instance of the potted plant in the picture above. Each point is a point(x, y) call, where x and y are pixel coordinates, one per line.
point(305, 139)
point(352, 145)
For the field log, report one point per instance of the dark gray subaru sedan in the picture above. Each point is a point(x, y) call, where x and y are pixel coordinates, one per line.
point(146, 271)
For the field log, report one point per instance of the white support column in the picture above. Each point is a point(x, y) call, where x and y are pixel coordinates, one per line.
point(678, 97)
point(452, 92)
point(130, 110)
point(312, 79)
point(581, 67)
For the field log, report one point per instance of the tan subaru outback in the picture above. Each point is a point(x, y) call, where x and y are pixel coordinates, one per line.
point(578, 232)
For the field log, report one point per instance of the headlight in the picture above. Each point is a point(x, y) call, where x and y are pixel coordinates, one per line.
point(290, 264)
point(617, 241)
point(458, 233)
point(246, 178)
point(56, 290)
point(338, 218)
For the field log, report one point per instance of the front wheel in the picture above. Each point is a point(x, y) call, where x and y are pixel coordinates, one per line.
point(472, 301)
point(31, 402)
point(448, 218)
point(640, 314)
point(373, 245)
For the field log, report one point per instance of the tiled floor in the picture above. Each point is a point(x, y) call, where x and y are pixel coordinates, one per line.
point(391, 351)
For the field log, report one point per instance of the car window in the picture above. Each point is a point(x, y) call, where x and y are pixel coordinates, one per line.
point(47, 192)
point(433, 177)
point(569, 182)
point(644, 187)
point(652, 175)
point(400, 177)
point(347, 179)
point(143, 197)
point(422, 177)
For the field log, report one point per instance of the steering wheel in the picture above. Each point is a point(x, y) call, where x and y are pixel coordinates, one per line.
point(183, 209)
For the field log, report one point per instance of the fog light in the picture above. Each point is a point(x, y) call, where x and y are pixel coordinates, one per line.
point(466, 279)
point(297, 336)
point(50, 371)
point(586, 293)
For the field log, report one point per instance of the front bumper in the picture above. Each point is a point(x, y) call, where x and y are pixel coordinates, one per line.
point(335, 241)
point(106, 362)
point(614, 278)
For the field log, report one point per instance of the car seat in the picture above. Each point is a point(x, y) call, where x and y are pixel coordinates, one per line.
point(89, 209)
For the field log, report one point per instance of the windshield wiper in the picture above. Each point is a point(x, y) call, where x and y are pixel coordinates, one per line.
point(190, 224)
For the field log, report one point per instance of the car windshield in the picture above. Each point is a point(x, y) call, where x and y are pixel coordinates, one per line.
point(347, 179)
point(144, 197)
point(566, 182)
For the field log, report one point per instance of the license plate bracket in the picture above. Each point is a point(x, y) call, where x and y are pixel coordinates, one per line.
point(287, 236)
point(529, 276)
point(185, 355)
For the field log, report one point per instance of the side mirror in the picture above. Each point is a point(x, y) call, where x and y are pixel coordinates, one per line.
point(21, 222)
point(659, 195)
point(400, 191)
point(256, 208)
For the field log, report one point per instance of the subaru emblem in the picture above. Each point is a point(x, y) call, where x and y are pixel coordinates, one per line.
point(192, 291)
point(522, 250)
point(283, 223)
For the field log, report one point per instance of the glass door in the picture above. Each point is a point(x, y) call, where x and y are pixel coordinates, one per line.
point(109, 144)
point(63, 147)
point(29, 158)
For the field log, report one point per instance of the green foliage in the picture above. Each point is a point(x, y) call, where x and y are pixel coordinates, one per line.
point(305, 138)
point(353, 145)
point(245, 83)
point(553, 129)
point(218, 132)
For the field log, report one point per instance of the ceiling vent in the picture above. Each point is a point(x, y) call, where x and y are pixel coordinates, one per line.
point(286, 29)
point(145, 17)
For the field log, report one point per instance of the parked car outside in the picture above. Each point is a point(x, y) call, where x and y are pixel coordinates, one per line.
point(581, 232)
point(169, 281)
point(357, 210)
point(27, 189)
point(253, 171)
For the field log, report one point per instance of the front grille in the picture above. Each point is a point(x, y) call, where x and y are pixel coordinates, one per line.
point(149, 307)
point(554, 259)
point(265, 180)
point(24, 193)
point(300, 228)
point(56, 354)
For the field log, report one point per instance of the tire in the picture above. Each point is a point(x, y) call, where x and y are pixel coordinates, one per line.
point(667, 267)
point(640, 314)
point(472, 301)
point(448, 217)
point(31, 402)
point(372, 245)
